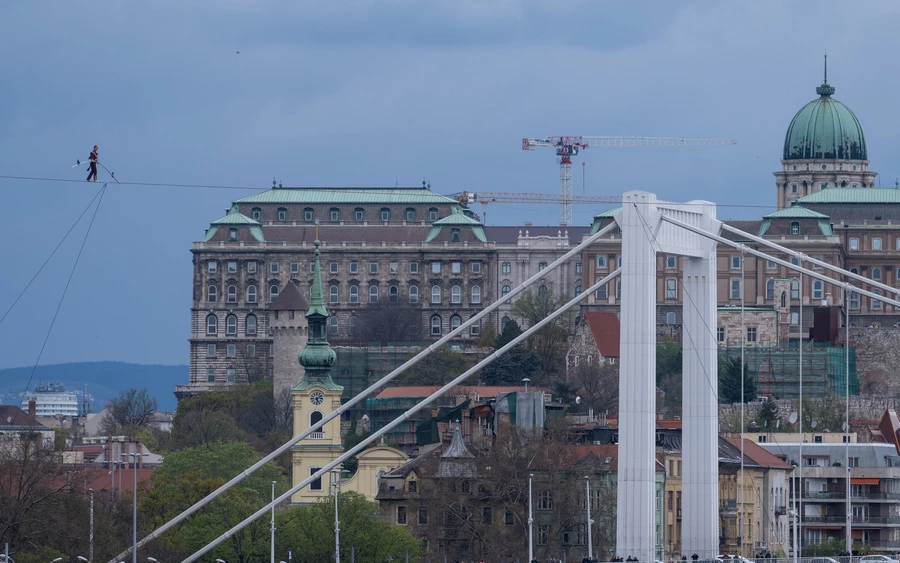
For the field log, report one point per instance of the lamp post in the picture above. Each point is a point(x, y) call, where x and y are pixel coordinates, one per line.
point(152, 560)
point(273, 523)
point(57, 560)
point(91, 538)
point(134, 458)
point(80, 558)
point(220, 561)
point(530, 521)
point(587, 504)
point(336, 483)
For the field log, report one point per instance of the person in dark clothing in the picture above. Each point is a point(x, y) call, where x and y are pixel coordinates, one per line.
point(94, 159)
point(695, 557)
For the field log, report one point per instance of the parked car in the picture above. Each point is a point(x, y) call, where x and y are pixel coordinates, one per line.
point(822, 560)
point(877, 559)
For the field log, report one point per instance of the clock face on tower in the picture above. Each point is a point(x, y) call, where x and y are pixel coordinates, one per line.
point(316, 398)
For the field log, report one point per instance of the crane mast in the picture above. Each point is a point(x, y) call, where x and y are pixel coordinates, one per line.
point(568, 146)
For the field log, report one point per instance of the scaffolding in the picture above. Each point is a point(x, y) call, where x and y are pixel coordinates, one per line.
point(776, 369)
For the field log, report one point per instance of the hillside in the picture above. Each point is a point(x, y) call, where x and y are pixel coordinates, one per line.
point(104, 380)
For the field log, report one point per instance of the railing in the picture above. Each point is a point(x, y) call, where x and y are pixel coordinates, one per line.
point(316, 435)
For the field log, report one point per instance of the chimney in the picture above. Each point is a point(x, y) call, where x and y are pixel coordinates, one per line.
point(32, 408)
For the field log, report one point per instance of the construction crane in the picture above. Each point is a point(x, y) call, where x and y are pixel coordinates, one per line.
point(468, 198)
point(567, 147)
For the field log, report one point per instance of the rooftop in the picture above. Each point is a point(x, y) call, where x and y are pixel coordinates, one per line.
point(360, 195)
point(852, 195)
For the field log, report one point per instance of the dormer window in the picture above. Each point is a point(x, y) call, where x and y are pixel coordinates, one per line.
point(232, 234)
point(334, 214)
point(282, 214)
point(410, 214)
point(433, 214)
point(385, 214)
point(795, 227)
point(257, 213)
point(308, 214)
point(455, 235)
point(359, 214)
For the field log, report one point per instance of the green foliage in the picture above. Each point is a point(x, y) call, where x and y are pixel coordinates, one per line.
point(59, 439)
point(668, 359)
point(349, 441)
point(768, 414)
point(439, 367)
point(509, 332)
point(730, 371)
point(308, 531)
point(487, 336)
point(550, 342)
point(511, 368)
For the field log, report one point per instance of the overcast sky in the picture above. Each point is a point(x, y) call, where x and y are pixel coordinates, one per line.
point(372, 93)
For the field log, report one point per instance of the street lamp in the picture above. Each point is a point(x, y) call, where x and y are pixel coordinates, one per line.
point(526, 381)
point(134, 458)
point(220, 561)
point(57, 560)
point(273, 522)
point(80, 558)
point(587, 504)
point(152, 560)
point(530, 519)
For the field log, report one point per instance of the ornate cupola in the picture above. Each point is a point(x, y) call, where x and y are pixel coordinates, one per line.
point(317, 358)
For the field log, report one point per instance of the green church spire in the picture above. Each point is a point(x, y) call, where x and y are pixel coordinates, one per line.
point(318, 357)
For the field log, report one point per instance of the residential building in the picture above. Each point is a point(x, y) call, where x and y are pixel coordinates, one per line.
point(18, 427)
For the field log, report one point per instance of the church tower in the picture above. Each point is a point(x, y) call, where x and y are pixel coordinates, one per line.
point(316, 396)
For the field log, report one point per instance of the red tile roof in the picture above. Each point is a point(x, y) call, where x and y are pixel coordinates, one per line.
point(11, 415)
point(605, 329)
point(99, 478)
point(759, 455)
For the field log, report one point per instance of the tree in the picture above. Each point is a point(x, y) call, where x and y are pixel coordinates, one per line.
point(389, 322)
point(668, 375)
point(730, 371)
point(598, 386)
point(551, 341)
point(129, 411)
point(487, 336)
point(768, 414)
point(511, 367)
point(827, 412)
point(437, 368)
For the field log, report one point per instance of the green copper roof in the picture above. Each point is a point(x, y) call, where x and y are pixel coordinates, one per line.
point(318, 357)
point(457, 219)
point(825, 129)
point(598, 218)
point(852, 195)
point(235, 217)
point(795, 212)
point(310, 381)
point(348, 195)
point(316, 297)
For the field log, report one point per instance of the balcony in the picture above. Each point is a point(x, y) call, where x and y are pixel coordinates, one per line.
point(316, 435)
point(780, 511)
point(728, 506)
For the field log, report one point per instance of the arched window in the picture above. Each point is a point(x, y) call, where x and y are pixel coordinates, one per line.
point(232, 294)
point(795, 227)
point(410, 214)
point(359, 214)
point(212, 324)
point(876, 304)
point(436, 325)
point(232, 234)
point(257, 213)
point(333, 294)
point(476, 294)
point(315, 421)
point(433, 214)
point(795, 261)
point(876, 244)
point(354, 293)
point(671, 289)
point(273, 292)
point(770, 289)
point(373, 293)
point(854, 300)
point(876, 273)
point(393, 294)
point(542, 291)
point(546, 500)
point(334, 214)
point(385, 214)
point(351, 322)
point(795, 289)
point(212, 294)
point(282, 214)
point(503, 322)
point(231, 325)
point(455, 235)
point(333, 325)
point(506, 289)
point(817, 289)
point(308, 214)
point(619, 288)
point(619, 262)
point(670, 318)
point(578, 289)
point(455, 294)
point(435, 294)
point(854, 271)
point(601, 261)
point(250, 325)
point(602, 292)
point(455, 321)
point(783, 299)
point(413, 294)
point(251, 293)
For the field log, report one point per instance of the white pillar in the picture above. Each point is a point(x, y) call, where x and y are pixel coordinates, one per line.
point(700, 476)
point(635, 517)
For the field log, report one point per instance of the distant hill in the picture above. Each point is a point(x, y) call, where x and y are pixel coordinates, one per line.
point(104, 380)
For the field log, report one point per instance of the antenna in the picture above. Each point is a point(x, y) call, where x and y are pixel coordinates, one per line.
point(826, 67)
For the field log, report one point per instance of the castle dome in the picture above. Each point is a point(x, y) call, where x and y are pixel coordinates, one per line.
point(825, 129)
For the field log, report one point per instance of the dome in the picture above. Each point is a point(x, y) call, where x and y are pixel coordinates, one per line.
point(825, 129)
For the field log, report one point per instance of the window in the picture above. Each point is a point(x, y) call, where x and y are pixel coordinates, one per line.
point(577, 289)
point(456, 267)
point(232, 294)
point(332, 325)
point(394, 267)
point(282, 214)
point(455, 294)
point(230, 351)
point(506, 289)
point(720, 334)
point(735, 262)
point(543, 533)
point(795, 227)
point(413, 267)
point(333, 267)
point(354, 267)
point(876, 244)
point(820, 259)
point(212, 294)
point(475, 329)
point(817, 289)
point(250, 325)
point(231, 325)
point(670, 318)
point(506, 267)
point(508, 518)
point(770, 289)
point(455, 321)
point(251, 350)
point(476, 267)
point(435, 294)
point(476, 294)
point(542, 291)
point(334, 214)
point(410, 214)
point(486, 515)
point(751, 334)
point(735, 289)
point(854, 300)
point(271, 350)
point(854, 271)
point(413, 294)
point(251, 267)
point(351, 321)
point(876, 273)
point(229, 375)
point(210, 350)
point(401, 515)
point(308, 214)
point(770, 265)
point(876, 304)
point(212, 324)
point(671, 289)
point(210, 375)
point(436, 325)
point(373, 267)
point(601, 261)
point(423, 512)
point(577, 267)
point(823, 185)
point(333, 294)
point(232, 267)
point(251, 293)
point(619, 288)
point(273, 267)
point(542, 266)
point(373, 293)
point(433, 214)
point(256, 213)
point(354, 293)
point(670, 262)
point(385, 214)
point(359, 214)
point(295, 267)
point(316, 485)
point(794, 188)
point(545, 502)
point(854, 244)
point(393, 294)
point(273, 293)
point(503, 322)
point(232, 234)
point(212, 267)
point(795, 289)
point(795, 318)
